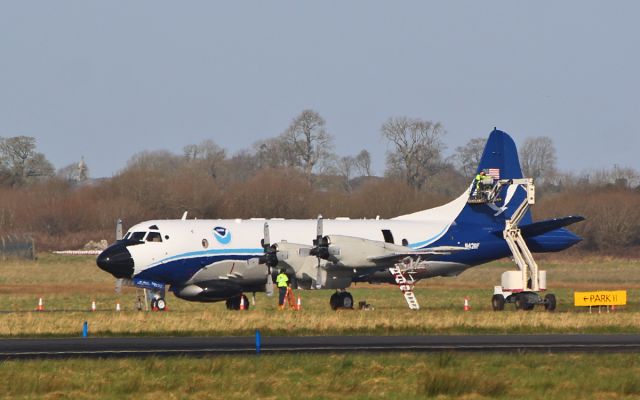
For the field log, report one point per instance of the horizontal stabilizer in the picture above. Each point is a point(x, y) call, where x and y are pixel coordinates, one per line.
point(542, 227)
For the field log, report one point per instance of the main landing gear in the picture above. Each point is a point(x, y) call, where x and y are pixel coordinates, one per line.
point(341, 299)
point(234, 302)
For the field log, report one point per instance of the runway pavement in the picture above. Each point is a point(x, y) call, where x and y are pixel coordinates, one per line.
point(163, 346)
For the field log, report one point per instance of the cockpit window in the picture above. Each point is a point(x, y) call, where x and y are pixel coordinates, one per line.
point(127, 235)
point(137, 236)
point(154, 237)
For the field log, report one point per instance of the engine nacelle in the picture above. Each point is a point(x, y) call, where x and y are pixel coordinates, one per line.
point(330, 276)
point(210, 291)
point(335, 277)
point(357, 252)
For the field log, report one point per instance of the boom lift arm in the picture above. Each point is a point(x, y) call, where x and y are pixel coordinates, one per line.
point(524, 294)
point(513, 236)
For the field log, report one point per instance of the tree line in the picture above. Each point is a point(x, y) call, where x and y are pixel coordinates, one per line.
point(297, 174)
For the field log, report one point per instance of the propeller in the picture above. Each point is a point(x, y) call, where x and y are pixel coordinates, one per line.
point(320, 249)
point(320, 243)
point(270, 258)
point(119, 281)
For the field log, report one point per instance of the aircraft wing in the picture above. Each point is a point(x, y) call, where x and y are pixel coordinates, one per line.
point(356, 252)
point(426, 254)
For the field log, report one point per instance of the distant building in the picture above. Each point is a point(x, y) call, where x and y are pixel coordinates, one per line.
point(83, 171)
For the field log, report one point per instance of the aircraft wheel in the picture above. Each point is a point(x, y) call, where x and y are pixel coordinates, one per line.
point(497, 302)
point(346, 300)
point(334, 301)
point(234, 303)
point(161, 304)
point(550, 302)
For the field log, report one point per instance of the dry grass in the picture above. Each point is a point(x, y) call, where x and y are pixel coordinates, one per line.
point(222, 322)
point(68, 285)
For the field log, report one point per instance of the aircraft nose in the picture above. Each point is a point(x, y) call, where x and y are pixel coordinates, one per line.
point(116, 260)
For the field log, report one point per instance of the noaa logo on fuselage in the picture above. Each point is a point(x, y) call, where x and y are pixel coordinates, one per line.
point(222, 234)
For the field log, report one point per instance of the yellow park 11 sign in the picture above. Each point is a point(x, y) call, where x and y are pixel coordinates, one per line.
point(600, 298)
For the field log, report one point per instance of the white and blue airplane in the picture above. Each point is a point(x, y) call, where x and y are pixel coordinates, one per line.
point(219, 260)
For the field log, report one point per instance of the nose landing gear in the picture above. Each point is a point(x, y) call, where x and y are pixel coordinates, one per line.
point(158, 304)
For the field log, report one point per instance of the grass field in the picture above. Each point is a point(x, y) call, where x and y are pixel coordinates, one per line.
point(357, 376)
point(69, 284)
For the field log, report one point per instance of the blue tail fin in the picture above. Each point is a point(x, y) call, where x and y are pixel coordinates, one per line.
point(500, 160)
point(470, 222)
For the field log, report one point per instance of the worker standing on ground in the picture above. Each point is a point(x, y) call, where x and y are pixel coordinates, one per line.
point(282, 280)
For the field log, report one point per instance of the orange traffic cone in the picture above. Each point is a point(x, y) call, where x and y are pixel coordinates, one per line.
point(299, 304)
point(118, 306)
point(93, 305)
point(40, 305)
point(242, 306)
point(467, 307)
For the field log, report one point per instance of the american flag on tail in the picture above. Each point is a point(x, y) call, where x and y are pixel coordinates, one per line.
point(494, 173)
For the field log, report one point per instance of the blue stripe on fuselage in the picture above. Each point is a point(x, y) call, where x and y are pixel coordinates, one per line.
point(205, 253)
point(490, 247)
point(176, 270)
point(425, 243)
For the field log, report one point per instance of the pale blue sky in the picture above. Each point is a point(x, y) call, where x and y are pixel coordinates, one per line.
point(109, 79)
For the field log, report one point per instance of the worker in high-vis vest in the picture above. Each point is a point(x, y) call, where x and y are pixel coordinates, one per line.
point(282, 280)
point(478, 181)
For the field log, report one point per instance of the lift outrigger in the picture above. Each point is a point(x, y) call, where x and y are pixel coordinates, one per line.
point(519, 287)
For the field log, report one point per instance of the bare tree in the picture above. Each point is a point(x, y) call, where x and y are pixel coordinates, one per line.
point(618, 176)
point(344, 167)
point(21, 162)
point(68, 172)
point(308, 140)
point(418, 149)
point(241, 167)
point(275, 153)
point(467, 157)
point(207, 155)
point(538, 158)
point(207, 149)
point(362, 163)
point(625, 176)
point(159, 160)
